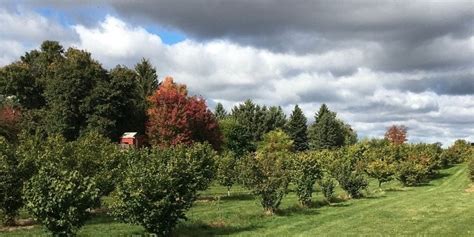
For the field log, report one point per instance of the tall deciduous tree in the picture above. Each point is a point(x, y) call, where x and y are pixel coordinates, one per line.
point(176, 118)
point(396, 134)
point(297, 129)
point(73, 81)
point(68, 92)
point(326, 132)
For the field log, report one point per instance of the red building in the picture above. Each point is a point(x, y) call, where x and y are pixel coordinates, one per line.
point(131, 139)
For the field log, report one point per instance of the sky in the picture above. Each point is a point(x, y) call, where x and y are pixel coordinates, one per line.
point(376, 63)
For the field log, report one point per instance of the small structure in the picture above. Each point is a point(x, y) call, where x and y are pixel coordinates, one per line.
point(131, 139)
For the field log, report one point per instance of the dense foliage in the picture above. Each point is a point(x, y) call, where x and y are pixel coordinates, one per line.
point(220, 112)
point(236, 139)
point(328, 132)
point(306, 170)
point(396, 134)
point(381, 158)
point(297, 129)
point(60, 199)
point(160, 185)
point(11, 183)
point(267, 173)
point(176, 118)
point(347, 168)
point(227, 172)
point(68, 92)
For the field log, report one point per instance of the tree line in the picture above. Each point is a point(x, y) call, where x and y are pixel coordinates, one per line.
point(61, 114)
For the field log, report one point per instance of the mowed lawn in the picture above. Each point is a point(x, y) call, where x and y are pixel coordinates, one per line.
point(441, 208)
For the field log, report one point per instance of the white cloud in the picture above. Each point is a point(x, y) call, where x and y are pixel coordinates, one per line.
point(223, 71)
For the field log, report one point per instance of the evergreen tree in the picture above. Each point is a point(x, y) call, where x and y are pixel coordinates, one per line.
point(220, 112)
point(326, 132)
point(147, 78)
point(297, 129)
point(274, 119)
point(252, 118)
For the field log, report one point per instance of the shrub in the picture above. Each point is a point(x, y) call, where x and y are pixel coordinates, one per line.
point(96, 157)
point(414, 167)
point(349, 170)
point(328, 184)
point(59, 199)
point(306, 170)
point(411, 171)
point(161, 185)
point(11, 183)
point(226, 170)
point(381, 162)
point(267, 173)
point(92, 155)
point(459, 152)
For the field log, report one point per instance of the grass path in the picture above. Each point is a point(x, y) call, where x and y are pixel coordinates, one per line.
point(440, 208)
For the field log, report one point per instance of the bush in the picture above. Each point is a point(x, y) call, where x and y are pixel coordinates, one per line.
point(59, 199)
point(267, 173)
point(11, 183)
point(92, 155)
point(161, 185)
point(381, 162)
point(328, 184)
point(97, 157)
point(420, 161)
point(348, 169)
point(226, 170)
point(459, 152)
point(306, 170)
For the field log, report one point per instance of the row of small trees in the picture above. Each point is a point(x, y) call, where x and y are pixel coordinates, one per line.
point(269, 171)
point(60, 182)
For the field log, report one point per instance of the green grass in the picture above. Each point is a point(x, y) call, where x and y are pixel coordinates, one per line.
point(439, 208)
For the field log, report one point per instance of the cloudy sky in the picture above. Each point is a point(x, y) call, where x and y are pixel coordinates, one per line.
point(375, 63)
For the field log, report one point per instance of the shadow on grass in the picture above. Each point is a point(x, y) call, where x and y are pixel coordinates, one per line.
point(232, 197)
point(238, 197)
point(398, 189)
point(297, 210)
point(439, 175)
point(210, 229)
point(101, 218)
point(335, 202)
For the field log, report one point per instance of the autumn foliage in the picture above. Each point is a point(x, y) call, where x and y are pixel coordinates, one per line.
point(9, 121)
point(176, 118)
point(396, 134)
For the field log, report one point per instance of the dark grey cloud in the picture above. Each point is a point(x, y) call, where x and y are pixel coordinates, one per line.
point(377, 63)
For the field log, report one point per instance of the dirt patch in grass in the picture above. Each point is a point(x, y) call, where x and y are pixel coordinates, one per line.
point(217, 224)
point(470, 189)
point(21, 224)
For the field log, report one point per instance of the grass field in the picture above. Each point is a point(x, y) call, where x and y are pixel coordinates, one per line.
point(440, 208)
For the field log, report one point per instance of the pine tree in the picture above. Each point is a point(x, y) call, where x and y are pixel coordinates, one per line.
point(274, 119)
point(252, 118)
point(326, 132)
point(297, 129)
point(147, 78)
point(220, 112)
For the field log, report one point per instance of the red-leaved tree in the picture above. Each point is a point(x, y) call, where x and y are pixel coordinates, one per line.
point(176, 118)
point(9, 121)
point(396, 134)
